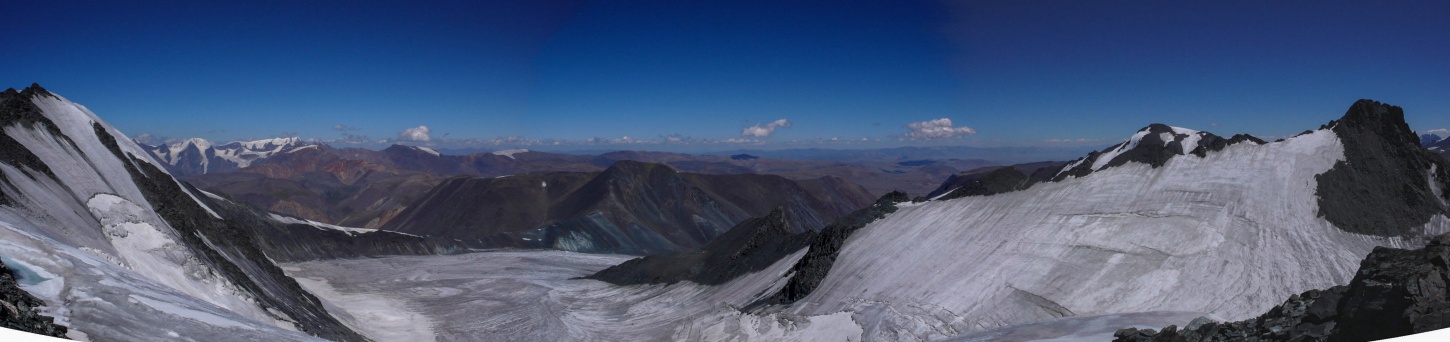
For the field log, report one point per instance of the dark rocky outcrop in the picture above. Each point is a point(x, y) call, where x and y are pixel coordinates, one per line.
point(16, 109)
point(748, 247)
point(20, 311)
point(294, 242)
point(1396, 292)
point(1382, 187)
point(825, 247)
point(995, 180)
point(1152, 149)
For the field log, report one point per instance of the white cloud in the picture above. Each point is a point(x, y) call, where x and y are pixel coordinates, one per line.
point(759, 130)
point(1440, 131)
point(145, 138)
point(419, 134)
point(935, 129)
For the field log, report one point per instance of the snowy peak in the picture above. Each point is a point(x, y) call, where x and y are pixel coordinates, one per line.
point(197, 156)
point(1153, 145)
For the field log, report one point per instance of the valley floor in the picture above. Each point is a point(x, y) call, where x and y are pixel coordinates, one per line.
point(514, 295)
point(532, 295)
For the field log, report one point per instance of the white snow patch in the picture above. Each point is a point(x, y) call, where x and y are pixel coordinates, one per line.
point(302, 148)
point(509, 153)
point(320, 225)
point(1191, 142)
point(1106, 157)
point(427, 150)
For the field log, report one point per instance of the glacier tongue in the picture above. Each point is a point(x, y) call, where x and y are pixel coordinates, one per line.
point(1227, 234)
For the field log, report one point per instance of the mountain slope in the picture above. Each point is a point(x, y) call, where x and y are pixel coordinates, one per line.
point(631, 207)
point(120, 250)
point(1222, 226)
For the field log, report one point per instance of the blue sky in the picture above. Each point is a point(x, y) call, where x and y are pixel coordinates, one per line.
point(1016, 73)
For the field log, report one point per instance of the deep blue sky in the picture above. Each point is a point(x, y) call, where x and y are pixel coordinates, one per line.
point(1017, 72)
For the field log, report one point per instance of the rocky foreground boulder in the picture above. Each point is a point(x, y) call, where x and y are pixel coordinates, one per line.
point(1396, 292)
point(21, 311)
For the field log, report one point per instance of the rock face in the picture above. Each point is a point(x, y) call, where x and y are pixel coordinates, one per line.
point(21, 310)
point(995, 180)
point(1396, 292)
point(632, 207)
point(826, 247)
point(1383, 163)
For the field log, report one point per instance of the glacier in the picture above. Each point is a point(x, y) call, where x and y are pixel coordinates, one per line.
point(1228, 234)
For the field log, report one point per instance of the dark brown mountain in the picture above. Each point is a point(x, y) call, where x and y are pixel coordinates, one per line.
point(364, 188)
point(631, 207)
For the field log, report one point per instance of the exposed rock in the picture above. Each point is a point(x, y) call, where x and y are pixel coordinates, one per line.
point(825, 247)
point(994, 180)
point(1383, 164)
point(20, 311)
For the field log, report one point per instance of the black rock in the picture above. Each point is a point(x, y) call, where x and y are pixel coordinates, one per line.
point(1380, 187)
point(20, 311)
point(825, 247)
point(994, 180)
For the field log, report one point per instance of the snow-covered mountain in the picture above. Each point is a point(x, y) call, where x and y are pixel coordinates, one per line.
point(1169, 220)
point(197, 156)
point(120, 250)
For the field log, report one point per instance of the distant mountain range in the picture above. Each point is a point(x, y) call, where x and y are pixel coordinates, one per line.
point(631, 207)
point(197, 156)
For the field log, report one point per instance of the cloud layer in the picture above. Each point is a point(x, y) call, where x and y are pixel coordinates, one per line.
point(416, 134)
point(759, 130)
point(935, 129)
point(1440, 131)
